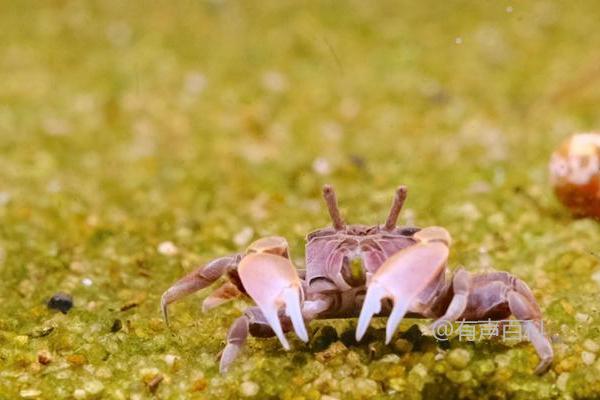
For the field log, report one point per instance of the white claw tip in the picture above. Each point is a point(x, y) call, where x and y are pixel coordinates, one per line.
point(291, 297)
point(370, 307)
point(359, 335)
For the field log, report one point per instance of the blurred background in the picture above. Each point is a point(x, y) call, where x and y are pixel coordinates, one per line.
point(138, 139)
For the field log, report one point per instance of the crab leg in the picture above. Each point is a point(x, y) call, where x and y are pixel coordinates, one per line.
point(461, 285)
point(403, 276)
point(196, 280)
point(236, 338)
point(272, 282)
point(223, 294)
point(529, 316)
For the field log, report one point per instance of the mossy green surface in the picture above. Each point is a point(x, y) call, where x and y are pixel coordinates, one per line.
point(125, 125)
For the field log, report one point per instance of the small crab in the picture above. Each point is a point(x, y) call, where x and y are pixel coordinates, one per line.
point(351, 270)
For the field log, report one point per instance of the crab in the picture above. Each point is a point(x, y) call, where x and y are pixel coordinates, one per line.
point(358, 271)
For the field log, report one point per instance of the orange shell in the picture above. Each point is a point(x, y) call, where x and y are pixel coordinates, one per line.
point(575, 174)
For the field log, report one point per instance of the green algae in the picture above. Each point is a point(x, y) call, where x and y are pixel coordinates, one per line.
point(127, 125)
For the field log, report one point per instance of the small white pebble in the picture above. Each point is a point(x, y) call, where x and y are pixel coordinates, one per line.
point(54, 186)
point(170, 359)
point(596, 277)
point(390, 358)
point(420, 370)
point(502, 360)
point(86, 282)
point(167, 248)
point(29, 393)
point(321, 166)
point(79, 394)
point(561, 382)
point(581, 317)
point(103, 372)
point(468, 211)
point(458, 40)
point(21, 339)
point(4, 198)
point(588, 358)
point(459, 358)
point(55, 126)
point(243, 237)
point(479, 187)
point(118, 34)
point(93, 387)
point(249, 389)
point(364, 386)
point(148, 373)
point(509, 9)
point(349, 107)
point(590, 345)
point(195, 82)
point(331, 130)
point(274, 81)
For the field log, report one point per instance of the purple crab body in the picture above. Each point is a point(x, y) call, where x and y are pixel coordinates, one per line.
point(329, 255)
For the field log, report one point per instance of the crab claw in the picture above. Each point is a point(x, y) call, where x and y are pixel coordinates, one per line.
point(402, 277)
point(271, 280)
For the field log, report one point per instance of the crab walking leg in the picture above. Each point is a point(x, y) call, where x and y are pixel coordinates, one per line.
point(461, 285)
point(223, 294)
point(529, 317)
point(402, 277)
point(236, 338)
point(272, 282)
point(196, 280)
point(312, 308)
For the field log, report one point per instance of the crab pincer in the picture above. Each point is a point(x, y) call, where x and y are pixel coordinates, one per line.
point(272, 282)
point(403, 276)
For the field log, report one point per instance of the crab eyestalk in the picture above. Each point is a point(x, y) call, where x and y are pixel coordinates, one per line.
point(399, 199)
point(334, 211)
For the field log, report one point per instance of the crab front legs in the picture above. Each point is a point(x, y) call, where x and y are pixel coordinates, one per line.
point(252, 322)
point(199, 279)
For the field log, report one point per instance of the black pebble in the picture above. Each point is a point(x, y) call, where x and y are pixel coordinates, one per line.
point(61, 301)
point(116, 326)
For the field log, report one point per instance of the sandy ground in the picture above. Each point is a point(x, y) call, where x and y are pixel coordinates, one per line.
point(141, 139)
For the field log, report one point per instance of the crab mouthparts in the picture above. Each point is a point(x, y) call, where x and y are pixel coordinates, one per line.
point(354, 271)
